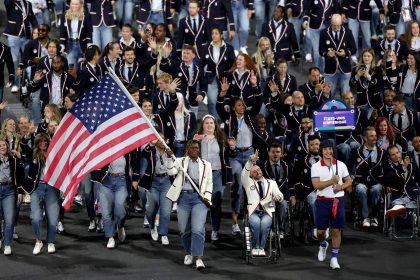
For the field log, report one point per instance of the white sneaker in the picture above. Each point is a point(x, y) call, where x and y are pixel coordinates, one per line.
point(334, 263)
point(281, 235)
point(214, 235)
point(354, 59)
point(199, 264)
point(51, 248)
point(111, 243)
point(154, 234)
point(15, 235)
point(261, 252)
point(235, 229)
point(7, 250)
point(92, 226)
point(255, 252)
point(37, 248)
point(27, 199)
point(188, 260)
point(174, 207)
point(322, 253)
point(243, 50)
point(374, 222)
point(308, 57)
point(165, 240)
point(60, 228)
point(78, 200)
point(366, 223)
point(15, 89)
point(145, 222)
point(121, 234)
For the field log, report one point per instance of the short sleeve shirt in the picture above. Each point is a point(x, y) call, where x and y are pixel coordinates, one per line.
point(325, 173)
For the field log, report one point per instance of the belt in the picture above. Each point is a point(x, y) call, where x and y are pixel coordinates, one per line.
point(116, 174)
point(244, 149)
point(4, 183)
point(156, 12)
point(188, 191)
point(180, 142)
point(161, 174)
point(335, 200)
point(407, 94)
point(74, 40)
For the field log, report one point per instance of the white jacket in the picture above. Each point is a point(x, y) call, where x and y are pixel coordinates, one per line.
point(205, 183)
point(252, 192)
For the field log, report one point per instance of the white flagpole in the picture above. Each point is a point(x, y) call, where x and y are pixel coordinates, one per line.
point(118, 81)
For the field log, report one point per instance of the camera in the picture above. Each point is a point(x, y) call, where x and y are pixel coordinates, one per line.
point(363, 67)
point(321, 79)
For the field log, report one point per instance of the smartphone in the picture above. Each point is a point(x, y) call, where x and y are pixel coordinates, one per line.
point(71, 66)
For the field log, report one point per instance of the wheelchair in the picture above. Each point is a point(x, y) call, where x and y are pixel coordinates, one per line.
point(412, 217)
point(273, 245)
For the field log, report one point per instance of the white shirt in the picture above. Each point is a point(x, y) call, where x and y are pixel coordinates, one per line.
point(74, 28)
point(117, 166)
point(325, 173)
point(216, 52)
point(156, 5)
point(409, 82)
point(278, 29)
point(244, 137)
point(405, 122)
point(56, 90)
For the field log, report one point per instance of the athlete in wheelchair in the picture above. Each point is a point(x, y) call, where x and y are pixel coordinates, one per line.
point(261, 195)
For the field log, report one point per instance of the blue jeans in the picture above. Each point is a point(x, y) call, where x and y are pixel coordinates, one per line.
point(401, 27)
point(237, 165)
point(102, 35)
point(297, 25)
point(183, 11)
point(261, 16)
point(43, 17)
point(260, 223)
point(89, 194)
point(310, 199)
point(375, 20)
point(45, 198)
point(157, 201)
point(156, 18)
point(124, 11)
point(179, 149)
point(344, 80)
point(8, 210)
point(212, 93)
point(241, 24)
point(16, 44)
point(313, 36)
point(409, 101)
point(344, 150)
point(282, 212)
point(60, 6)
point(375, 197)
point(74, 53)
point(192, 213)
point(216, 200)
point(36, 107)
point(112, 196)
point(364, 26)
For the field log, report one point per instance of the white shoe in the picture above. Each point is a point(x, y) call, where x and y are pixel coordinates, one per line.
point(243, 50)
point(154, 234)
point(27, 199)
point(334, 263)
point(111, 243)
point(37, 248)
point(255, 252)
point(78, 200)
point(214, 235)
point(281, 235)
point(188, 260)
point(308, 57)
point(354, 59)
point(7, 250)
point(366, 223)
point(145, 222)
point(121, 234)
point(322, 253)
point(374, 222)
point(199, 264)
point(235, 229)
point(15, 235)
point(60, 228)
point(174, 207)
point(51, 248)
point(15, 89)
point(261, 252)
point(92, 226)
point(165, 240)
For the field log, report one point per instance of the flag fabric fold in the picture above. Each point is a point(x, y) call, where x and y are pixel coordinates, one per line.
point(102, 126)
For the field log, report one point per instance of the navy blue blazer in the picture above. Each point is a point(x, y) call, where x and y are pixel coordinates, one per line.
point(101, 13)
point(319, 14)
point(187, 36)
point(84, 32)
point(220, 13)
point(19, 23)
point(6, 60)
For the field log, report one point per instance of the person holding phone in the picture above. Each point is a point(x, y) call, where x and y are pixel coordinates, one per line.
point(330, 179)
point(315, 90)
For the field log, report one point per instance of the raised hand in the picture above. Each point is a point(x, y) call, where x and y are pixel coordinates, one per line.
point(254, 157)
point(225, 86)
point(152, 43)
point(253, 78)
point(167, 49)
point(273, 86)
point(38, 75)
point(174, 85)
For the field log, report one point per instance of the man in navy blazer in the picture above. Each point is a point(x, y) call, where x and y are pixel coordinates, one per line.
point(337, 45)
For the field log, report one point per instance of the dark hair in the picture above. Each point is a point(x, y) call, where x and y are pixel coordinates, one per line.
point(280, 61)
point(314, 137)
point(367, 129)
point(259, 116)
point(72, 96)
point(416, 58)
point(57, 44)
point(133, 89)
point(60, 57)
point(398, 98)
point(392, 147)
point(144, 100)
point(193, 142)
point(91, 51)
point(195, 2)
point(127, 25)
point(389, 27)
point(46, 25)
point(108, 48)
point(127, 49)
point(274, 145)
point(313, 69)
point(190, 48)
point(306, 116)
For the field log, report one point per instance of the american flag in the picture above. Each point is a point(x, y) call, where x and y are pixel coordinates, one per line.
point(102, 126)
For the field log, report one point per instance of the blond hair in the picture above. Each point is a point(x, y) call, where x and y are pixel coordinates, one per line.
point(74, 15)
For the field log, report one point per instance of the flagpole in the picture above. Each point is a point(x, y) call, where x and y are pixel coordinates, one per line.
point(118, 81)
